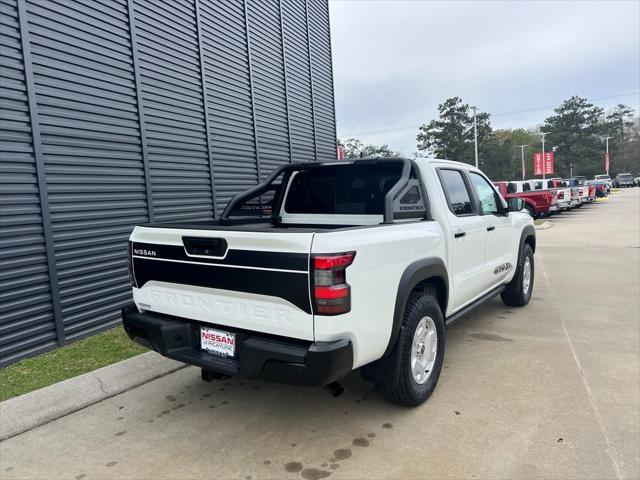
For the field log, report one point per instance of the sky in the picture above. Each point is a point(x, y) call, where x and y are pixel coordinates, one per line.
point(394, 61)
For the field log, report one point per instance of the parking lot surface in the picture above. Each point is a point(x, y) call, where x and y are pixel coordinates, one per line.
point(546, 391)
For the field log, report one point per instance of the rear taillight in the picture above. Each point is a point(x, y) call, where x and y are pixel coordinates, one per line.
point(331, 292)
point(132, 278)
point(561, 195)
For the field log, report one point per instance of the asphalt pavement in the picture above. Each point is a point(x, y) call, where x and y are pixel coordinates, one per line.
point(546, 391)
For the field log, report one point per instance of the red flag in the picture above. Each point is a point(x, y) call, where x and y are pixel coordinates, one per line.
point(606, 162)
point(548, 163)
point(340, 152)
point(537, 163)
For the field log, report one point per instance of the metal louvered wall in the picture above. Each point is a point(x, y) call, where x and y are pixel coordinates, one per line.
point(117, 112)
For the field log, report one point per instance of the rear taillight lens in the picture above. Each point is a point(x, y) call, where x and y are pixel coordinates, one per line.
point(132, 279)
point(331, 292)
point(561, 195)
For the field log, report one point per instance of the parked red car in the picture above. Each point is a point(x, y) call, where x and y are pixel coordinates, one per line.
point(537, 202)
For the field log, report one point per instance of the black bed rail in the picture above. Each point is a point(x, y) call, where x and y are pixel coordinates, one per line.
point(388, 214)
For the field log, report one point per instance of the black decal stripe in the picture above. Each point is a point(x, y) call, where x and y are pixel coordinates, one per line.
point(289, 286)
point(242, 258)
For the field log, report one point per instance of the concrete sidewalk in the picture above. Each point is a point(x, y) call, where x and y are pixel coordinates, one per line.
point(20, 414)
point(546, 391)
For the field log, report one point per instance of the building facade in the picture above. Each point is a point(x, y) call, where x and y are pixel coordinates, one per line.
point(118, 112)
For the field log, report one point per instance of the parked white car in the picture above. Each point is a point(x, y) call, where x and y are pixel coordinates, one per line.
point(329, 267)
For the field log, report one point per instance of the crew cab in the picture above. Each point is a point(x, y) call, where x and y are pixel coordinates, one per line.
point(537, 203)
point(325, 268)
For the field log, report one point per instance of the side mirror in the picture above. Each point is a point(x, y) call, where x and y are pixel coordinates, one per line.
point(515, 204)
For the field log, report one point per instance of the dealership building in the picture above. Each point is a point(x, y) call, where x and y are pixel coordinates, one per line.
point(119, 112)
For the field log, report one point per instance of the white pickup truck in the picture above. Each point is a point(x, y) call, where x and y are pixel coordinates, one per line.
point(329, 267)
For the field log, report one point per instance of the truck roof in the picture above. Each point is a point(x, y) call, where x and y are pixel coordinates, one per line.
point(423, 160)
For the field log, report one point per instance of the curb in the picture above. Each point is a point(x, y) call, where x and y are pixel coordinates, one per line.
point(544, 226)
point(28, 411)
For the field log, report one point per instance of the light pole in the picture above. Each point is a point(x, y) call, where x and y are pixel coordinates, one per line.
point(606, 139)
point(522, 147)
point(543, 134)
point(475, 132)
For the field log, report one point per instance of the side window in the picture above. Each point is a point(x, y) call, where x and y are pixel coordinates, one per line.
point(486, 194)
point(456, 191)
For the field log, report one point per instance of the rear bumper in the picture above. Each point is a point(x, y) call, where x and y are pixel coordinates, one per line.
point(257, 356)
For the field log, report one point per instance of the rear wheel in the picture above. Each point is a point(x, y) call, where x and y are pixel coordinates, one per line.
point(421, 350)
point(518, 291)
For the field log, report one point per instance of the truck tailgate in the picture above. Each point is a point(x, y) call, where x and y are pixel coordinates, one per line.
point(257, 281)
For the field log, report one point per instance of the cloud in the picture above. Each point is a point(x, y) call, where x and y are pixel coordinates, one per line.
point(394, 61)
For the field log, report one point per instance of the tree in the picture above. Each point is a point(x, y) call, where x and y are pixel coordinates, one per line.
point(503, 159)
point(623, 147)
point(451, 135)
point(575, 131)
point(355, 148)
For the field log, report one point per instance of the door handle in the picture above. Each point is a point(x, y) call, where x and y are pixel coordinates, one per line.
point(489, 229)
point(459, 234)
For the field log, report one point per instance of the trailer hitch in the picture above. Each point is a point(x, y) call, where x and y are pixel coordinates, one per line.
point(334, 389)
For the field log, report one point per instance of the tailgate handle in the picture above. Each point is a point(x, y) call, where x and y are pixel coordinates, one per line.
point(207, 247)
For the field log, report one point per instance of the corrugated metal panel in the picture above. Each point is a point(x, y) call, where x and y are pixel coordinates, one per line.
point(298, 80)
point(169, 63)
point(322, 74)
point(270, 96)
point(120, 112)
point(84, 82)
point(27, 323)
point(226, 65)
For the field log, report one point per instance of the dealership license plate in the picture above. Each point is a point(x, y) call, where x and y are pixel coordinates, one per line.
point(218, 342)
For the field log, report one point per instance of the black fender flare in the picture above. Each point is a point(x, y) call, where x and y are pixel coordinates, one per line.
point(527, 232)
point(387, 367)
point(416, 272)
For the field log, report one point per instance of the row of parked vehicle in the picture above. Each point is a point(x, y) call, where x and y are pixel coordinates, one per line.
point(623, 180)
point(554, 195)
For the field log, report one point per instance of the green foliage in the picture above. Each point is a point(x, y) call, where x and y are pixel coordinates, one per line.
point(575, 130)
point(66, 362)
point(355, 148)
point(501, 158)
point(624, 147)
point(451, 136)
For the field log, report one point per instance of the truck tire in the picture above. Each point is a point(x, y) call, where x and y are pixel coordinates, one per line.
point(518, 292)
point(421, 350)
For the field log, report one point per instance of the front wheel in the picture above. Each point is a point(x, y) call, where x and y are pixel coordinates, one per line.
point(518, 291)
point(421, 350)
